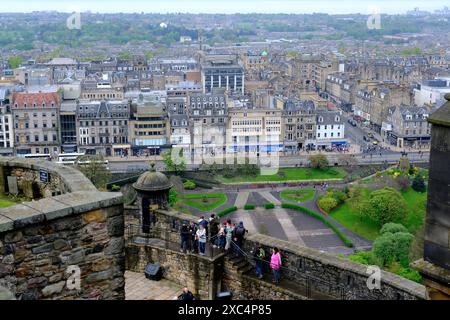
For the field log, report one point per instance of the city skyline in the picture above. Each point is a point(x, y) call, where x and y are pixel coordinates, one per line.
point(226, 7)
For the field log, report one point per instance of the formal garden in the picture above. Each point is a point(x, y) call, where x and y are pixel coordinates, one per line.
point(389, 209)
point(298, 195)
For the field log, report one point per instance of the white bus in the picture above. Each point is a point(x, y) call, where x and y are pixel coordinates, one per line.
point(85, 162)
point(42, 156)
point(68, 158)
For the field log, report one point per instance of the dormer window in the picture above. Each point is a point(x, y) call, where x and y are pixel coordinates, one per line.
point(336, 119)
point(43, 104)
point(34, 104)
point(320, 119)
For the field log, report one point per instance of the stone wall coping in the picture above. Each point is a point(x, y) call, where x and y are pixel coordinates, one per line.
point(47, 209)
point(71, 177)
point(387, 278)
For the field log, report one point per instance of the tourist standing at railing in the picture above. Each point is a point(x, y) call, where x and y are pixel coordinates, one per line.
point(221, 237)
point(184, 237)
point(238, 236)
point(275, 265)
point(202, 221)
point(193, 243)
point(259, 254)
point(229, 229)
point(213, 228)
point(201, 237)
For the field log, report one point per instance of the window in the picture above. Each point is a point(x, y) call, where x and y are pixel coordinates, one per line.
point(36, 138)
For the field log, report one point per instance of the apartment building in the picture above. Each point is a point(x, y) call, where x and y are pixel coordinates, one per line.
point(208, 114)
point(330, 130)
point(222, 71)
point(102, 127)
point(252, 131)
point(36, 122)
point(299, 121)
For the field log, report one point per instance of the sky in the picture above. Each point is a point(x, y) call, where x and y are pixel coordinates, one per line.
point(225, 6)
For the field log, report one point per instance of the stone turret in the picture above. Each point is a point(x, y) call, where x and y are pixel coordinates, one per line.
point(152, 193)
point(435, 265)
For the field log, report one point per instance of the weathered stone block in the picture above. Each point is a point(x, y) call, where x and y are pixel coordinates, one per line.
point(53, 288)
point(99, 276)
point(115, 246)
point(116, 226)
point(44, 248)
point(12, 237)
point(97, 216)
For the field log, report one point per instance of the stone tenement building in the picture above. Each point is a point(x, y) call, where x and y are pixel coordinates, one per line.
point(299, 120)
point(208, 113)
point(102, 127)
point(36, 122)
point(68, 243)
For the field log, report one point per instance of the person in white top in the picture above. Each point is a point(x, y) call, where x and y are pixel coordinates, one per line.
point(201, 237)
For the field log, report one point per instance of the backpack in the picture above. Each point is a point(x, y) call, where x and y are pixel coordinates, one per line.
point(239, 231)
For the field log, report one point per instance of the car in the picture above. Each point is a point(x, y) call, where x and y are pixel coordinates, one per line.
point(365, 138)
point(375, 142)
point(370, 134)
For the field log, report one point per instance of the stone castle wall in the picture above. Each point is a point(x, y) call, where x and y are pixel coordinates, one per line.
point(49, 246)
point(329, 275)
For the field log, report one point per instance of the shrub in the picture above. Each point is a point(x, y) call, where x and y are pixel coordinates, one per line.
point(418, 184)
point(115, 187)
point(386, 205)
point(318, 161)
point(226, 211)
point(327, 203)
point(393, 228)
point(173, 197)
point(391, 247)
point(364, 257)
point(269, 205)
point(189, 185)
point(338, 232)
point(402, 182)
point(249, 207)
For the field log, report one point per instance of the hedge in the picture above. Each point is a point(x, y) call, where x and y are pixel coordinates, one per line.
point(269, 205)
point(249, 207)
point(225, 211)
point(338, 232)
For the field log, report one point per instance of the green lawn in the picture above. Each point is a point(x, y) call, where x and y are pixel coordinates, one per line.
point(204, 201)
point(291, 174)
point(369, 229)
point(5, 202)
point(298, 195)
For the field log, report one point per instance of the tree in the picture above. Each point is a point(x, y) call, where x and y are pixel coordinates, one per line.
point(418, 184)
point(95, 169)
point(173, 197)
point(393, 247)
point(174, 160)
point(15, 61)
point(386, 205)
point(318, 161)
point(358, 201)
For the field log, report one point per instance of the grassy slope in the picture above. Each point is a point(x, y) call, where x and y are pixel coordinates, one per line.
point(5, 202)
point(305, 195)
point(195, 200)
point(369, 229)
point(291, 174)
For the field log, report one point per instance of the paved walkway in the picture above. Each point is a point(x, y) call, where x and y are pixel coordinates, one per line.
point(241, 199)
point(137, 287)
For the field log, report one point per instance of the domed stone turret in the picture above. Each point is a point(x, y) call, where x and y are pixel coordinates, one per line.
point(152, 193)
point(152, 181)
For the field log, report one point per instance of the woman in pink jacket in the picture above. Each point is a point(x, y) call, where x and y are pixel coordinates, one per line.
point(275, 265)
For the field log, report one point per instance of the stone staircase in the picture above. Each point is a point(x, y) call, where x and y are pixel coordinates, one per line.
point(238, 264)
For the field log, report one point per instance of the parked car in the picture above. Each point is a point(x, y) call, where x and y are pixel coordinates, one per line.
point(365, 138)
point(370, 134)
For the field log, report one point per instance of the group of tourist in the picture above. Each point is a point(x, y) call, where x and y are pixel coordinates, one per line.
point(259, 256)
point(194, 237)
point(220, 234)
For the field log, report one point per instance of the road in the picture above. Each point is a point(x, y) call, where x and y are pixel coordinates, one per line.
point(127, 165)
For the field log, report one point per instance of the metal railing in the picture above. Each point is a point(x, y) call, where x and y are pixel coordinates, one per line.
point(168, 238)
point(313, 287)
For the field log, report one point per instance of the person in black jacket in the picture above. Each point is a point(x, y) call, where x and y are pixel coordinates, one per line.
point(186, 295)
point(193, 243)
point(184, 237)
point(213, 228)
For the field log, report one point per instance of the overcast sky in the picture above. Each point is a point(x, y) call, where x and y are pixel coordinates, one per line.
point(224, 6)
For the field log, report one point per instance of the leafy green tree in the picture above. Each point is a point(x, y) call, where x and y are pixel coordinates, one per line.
point(95, 169)
point(393, 247)
point(358, 201)
point(418, 184)
point(386, 205)
point(174, 160)
point(393, 228)
point(15, 61)
point(318, 161)
point(173, 197)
